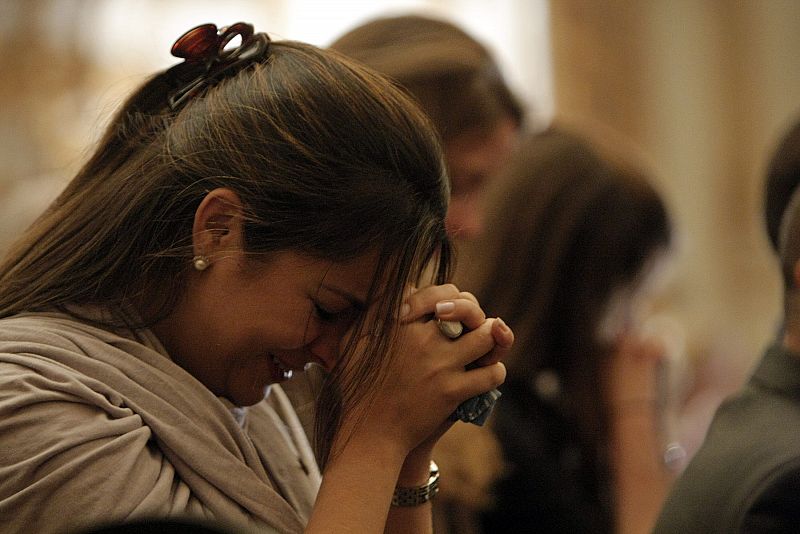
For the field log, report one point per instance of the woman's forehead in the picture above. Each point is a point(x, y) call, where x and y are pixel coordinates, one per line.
point(352, 279)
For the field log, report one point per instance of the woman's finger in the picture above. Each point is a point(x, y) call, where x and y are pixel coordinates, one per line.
point(469, 296)
point(477, 381)
point(462, 310)
point(472, 346)
point(423, 301)
point(504, 340)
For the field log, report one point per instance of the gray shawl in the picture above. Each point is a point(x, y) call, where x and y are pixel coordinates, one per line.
point(99, 426)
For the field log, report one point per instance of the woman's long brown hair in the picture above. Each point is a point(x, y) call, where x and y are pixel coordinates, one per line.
point(329, 159)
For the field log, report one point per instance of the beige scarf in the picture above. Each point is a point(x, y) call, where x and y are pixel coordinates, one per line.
point(98, 426)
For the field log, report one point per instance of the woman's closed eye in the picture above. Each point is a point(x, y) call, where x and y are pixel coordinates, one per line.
point(329, 314)
point(325, 314)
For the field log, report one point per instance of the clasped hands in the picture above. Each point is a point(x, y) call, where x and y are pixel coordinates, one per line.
point(431, 372)
point(427, 375)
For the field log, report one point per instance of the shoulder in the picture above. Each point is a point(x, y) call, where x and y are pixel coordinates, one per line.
point(62, 443)
point(52, 395)
point(775, 504)
point(54, 384)
point(50, 352)
point(57, 349)
point(51, 335)
point(744, 470)
point(46, 411)
point(765, 503)
point(73, 439)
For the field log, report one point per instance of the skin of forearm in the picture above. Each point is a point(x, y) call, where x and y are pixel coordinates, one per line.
point(641, 481)
point(415, 472)
point(357, 488)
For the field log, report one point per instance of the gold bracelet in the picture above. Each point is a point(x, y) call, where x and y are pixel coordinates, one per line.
point(420, 494)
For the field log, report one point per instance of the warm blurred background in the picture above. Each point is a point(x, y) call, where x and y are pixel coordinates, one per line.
point(704, 87)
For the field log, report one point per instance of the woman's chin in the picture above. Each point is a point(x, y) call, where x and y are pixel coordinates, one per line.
point(250, 397)
point(250, 386)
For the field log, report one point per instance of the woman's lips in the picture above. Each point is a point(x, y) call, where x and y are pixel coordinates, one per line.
point(284, 370)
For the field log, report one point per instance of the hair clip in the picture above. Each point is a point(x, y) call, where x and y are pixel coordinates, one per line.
point(208, 46)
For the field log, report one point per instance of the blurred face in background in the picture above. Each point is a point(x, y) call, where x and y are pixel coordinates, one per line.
point(474, 159)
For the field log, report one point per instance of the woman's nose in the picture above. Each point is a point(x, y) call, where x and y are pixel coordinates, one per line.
point(326, 347)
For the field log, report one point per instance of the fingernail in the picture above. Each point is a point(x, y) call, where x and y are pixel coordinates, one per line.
point(446, 306)
point(405, 309)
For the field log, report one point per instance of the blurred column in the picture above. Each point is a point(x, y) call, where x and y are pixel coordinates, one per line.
point(705, 88)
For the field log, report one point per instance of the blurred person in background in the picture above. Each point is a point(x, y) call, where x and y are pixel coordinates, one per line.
point(579, 244)
point(458, 84)
point(746, 475)
point(718, 376)
point(783, 176)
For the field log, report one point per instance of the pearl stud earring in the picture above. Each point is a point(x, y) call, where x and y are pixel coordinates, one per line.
point(200, 263)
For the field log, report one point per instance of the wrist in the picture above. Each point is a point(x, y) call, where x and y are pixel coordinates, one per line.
point(353, 452)
point(416, 467)
point(418, 494)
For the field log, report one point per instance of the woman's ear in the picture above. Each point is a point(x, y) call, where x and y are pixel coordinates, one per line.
point(217, 225)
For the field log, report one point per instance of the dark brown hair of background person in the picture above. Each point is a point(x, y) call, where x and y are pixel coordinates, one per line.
point(459, 86)
point(327, 157)
point(783, 176)
point(568, 229)
point(570, 226)
point(454, 78)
